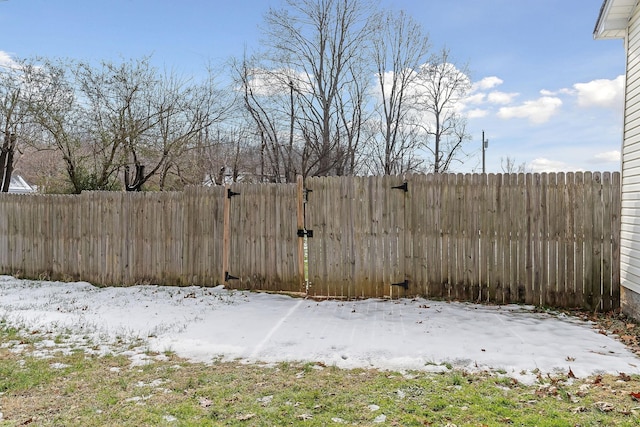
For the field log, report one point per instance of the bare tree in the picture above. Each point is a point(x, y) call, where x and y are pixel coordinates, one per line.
point(508, 165)
point(119, 112)
point(354, 118)
point(123, 120)
point(270, 100)
point(399, 48)
point(322, 40)
point(441, 85)
point(16, 105)
point(304, 106)
point(61, 119)
point(227, 152)
point(179, 113)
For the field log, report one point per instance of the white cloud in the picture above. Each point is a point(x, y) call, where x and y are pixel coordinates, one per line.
point(6, 60)
point(547, 92)
point(476, 98)
point(486, 83)
point(477, 113)
point(537, 111)
point(497, 97)
point(600, 93)
point(542, 164)
point(607, 156)
point(265, 82)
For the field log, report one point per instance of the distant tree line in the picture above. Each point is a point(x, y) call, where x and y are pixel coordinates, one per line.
point(338, 87)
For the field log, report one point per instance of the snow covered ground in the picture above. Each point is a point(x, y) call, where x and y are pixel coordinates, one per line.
point(206, 324)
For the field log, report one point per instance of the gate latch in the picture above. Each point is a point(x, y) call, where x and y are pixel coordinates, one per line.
point(305, 233)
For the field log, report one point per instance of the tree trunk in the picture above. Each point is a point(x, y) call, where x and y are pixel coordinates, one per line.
point(138, 180)
point(8, 171)
point(6, 160)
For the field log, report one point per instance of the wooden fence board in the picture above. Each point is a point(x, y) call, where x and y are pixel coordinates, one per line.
point(572, 240)
point(615, 239)
point(460, 229)
point(561, 239)
point(544, 265)
point(495, 256)
point(420, 219)
point(447, 257)
point(579, 249)
point(522, 242)
point(590, 293)
point(606, 256)
point(432, 245)
point(597, 240)
point(348, 246)
point(369, 236)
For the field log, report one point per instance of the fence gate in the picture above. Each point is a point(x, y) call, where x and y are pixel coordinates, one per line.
point(261, 246)
point(358, 248)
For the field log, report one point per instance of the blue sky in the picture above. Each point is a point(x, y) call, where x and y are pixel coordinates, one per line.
point(546, 93)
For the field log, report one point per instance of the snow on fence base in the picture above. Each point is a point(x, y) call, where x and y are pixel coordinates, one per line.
point(543, 239)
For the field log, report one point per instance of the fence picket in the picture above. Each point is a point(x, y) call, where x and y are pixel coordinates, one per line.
point(560, 239)
point(606, 244)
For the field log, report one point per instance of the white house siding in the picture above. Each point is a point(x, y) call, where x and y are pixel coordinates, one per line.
point(630, 215)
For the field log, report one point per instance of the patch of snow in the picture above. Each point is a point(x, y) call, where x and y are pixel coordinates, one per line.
point(138, 359)
point(380, 419)
point(265, 400)
point(215, 324)
point(58, 366)
point(138, 400)
point(154, 383)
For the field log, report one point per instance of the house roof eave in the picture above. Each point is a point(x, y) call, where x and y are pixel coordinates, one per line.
point(613, 19)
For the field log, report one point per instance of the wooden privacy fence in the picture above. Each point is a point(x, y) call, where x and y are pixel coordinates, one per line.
point(544, 239)
point(548, 239)
point(169, 238)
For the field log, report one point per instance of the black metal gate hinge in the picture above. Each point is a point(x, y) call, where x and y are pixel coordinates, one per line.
point(404, 284)
point(404, 186)
point(230, 193)
point(228, 277)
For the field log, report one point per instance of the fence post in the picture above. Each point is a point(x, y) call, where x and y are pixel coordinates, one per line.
point(226, 233)
point(300, 223)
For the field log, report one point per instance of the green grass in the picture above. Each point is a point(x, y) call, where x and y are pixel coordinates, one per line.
point(96, 391)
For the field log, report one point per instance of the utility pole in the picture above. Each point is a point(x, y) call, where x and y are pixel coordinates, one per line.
point(485, 145)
